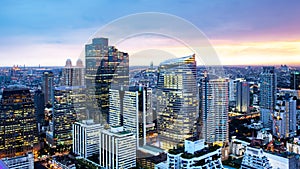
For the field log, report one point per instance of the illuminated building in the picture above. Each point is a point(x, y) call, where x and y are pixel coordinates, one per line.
point(86, 136)
point(177, 101)
point(48, 86)
point(67, 103)
point(267, 97)
point(106, 68)
point(18, 128)
point(243, 97)
point(284, 117)
point(295, 80)
point(73, 75)
point(215, 110)
point(117, 148)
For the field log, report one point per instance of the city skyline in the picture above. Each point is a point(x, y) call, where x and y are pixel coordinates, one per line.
point(241, 33)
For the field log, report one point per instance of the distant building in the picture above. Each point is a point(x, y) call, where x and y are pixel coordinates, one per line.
point(117, 148)
point(295, 80)
point(48, 86)
point(18, 127)
point(194, 155)
point(267, 98)
point(177, 101)
point(284, 117)
point(243, 97)
point(73, 75)
point(86, 136)
point(18, 162)
point(215, 110)
point(39, 104)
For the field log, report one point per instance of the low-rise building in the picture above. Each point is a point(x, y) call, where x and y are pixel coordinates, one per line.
point(194, 155)
point(18, 162)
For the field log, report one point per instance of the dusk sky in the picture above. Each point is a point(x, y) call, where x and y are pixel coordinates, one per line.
point(255, 32)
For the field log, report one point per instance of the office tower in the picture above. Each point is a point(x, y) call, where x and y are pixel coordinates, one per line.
point(48, 86)
point(243, 97)
point(106, 68)
point(67, 101)
point(130, 109)
point(215, 110)
point(284, 117)
point(39, 105)
point(86, 136)
point(73, 75)
point(117, 148)
point(18, 134)
point(295, 80)
point(268, 85)
point(177, 101)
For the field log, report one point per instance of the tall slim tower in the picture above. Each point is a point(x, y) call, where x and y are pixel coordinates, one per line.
point(106, 68)
point(215, 110)
point(177, 100)
point(48, 86)
point(268, 84)
point(242, 97)
point(18, 134)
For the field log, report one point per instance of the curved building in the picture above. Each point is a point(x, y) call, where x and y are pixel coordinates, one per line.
point(177, 101)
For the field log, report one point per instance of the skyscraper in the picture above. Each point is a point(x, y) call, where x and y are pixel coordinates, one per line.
point(106, 68)
point(284, 117)
point(48, 86)
point(295, 80)
point(39, 104)
point(242, 97)
point(18, 133)
point(268, 85)
point(214, 110)
point(66, 102)
point(177, 100)
point(73, 75)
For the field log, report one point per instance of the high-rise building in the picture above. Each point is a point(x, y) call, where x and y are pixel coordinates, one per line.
point(214, 110)
point(39, 104)
point(242, 97)
point(67, 101)
point(117, 148)
point(73, 75)
point(268, 85)
point(284, 117)
point(48, 86)
point(177, 101)
point(129, 109)
point(295, 80)
point(18, 133)
point(86, 135)
point(106, 68)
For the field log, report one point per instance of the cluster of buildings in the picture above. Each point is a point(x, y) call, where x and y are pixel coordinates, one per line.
point(169, 117)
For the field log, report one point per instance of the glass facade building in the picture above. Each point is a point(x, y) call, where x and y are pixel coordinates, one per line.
point(106, 68)
point(177, 101)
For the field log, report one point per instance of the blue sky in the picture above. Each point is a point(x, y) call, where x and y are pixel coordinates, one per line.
point(48, 32)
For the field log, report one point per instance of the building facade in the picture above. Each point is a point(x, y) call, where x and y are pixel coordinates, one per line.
point(18, 133)
point(243, 97)
point(86, 136)
point(177, 101)
point(73, 75)
point(267, 97)
point(117, 148)
point(106, 68)
point(48, 86)
point(215, 110)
